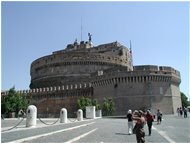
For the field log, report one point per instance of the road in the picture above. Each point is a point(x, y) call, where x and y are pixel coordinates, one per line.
point(172, 129)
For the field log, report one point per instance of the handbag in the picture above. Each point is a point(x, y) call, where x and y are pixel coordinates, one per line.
point(135, 129)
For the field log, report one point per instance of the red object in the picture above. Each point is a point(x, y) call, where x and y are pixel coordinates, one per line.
point(149, 118)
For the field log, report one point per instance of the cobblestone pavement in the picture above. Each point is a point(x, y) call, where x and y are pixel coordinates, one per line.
point(172, 129)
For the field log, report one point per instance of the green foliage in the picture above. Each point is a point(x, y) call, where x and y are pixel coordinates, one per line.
point(83, 102)
point(188, 103)
point(13, 102)
point(108, 106)
point(96, 104)
point(184, 100)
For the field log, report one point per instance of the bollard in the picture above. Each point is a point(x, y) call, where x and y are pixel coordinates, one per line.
point(63, 115)
point(80, 115)
point(31, 115)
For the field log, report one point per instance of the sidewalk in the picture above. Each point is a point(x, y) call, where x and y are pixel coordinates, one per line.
point(172, 129)
point(20, 124)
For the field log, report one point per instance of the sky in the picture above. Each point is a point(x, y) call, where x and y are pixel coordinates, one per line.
point(159, 32)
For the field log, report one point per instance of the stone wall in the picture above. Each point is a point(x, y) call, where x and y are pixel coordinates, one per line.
point(50, 100)
point(49, 103)
point(141, 89)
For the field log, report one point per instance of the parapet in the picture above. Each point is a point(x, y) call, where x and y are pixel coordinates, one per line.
point(169, 69)
point(163, 69)
point(109, 45)
point(52, 89)
point(145, 68)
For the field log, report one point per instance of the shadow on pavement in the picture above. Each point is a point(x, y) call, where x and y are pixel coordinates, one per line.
point(121, 134)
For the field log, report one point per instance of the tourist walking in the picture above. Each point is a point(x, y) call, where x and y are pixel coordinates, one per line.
point(130, 122)
point(185, 112)
point(159, 116)
point(139, 126)
point(181, 111)
point(149, 119)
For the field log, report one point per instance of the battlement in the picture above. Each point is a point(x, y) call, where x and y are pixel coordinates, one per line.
point(52, 89)
point(169, 69)
point(145, 68)
point(162, 69)
point(140, 74)
point(109, 46)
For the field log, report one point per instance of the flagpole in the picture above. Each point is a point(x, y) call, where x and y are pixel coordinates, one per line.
point(131, 54)
point(81, 30)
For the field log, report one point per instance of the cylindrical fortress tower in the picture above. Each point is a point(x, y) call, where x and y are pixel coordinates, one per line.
point(77, 62)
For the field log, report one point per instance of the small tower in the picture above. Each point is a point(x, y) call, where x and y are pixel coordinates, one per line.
point(90, 40)
point(75, 44)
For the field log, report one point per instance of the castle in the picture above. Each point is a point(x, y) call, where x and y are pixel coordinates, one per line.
point(84, 70)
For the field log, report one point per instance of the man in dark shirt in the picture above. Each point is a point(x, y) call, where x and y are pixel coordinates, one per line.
point(130, 122)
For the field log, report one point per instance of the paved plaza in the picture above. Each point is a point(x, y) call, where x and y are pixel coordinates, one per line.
point(173, 129)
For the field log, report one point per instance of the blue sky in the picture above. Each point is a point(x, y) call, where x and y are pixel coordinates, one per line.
point(159, 32)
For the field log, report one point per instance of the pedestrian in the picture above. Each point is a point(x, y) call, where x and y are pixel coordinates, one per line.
point(178, 112)
point(149, 120)
point(185, 112)
point(130, 122)
point(139, 126)
point(2, 117)
point(181, 111)
point(159, 116)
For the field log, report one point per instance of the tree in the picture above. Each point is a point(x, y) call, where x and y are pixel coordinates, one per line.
point(184, 100)
point(83, 102)
point(13, 102)
point(96, 104)
point(108, 106)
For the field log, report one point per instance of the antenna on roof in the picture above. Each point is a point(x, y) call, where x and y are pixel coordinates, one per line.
point(81, 30)
point(130, 48)
point(131, 54)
